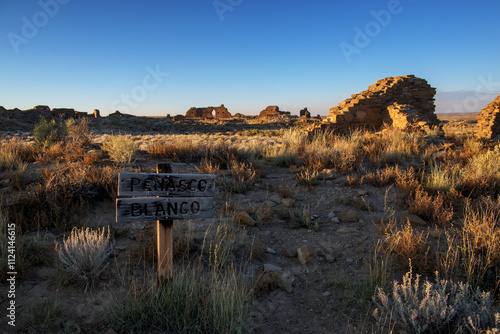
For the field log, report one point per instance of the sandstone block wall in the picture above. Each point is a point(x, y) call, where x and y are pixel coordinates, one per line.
point(273, 111)
point(488, 121)
point(207, 112)
point(400, 101)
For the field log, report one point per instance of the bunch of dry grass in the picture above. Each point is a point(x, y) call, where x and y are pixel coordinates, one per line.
point(407, 245)
point(430, 207)
point(84, 254)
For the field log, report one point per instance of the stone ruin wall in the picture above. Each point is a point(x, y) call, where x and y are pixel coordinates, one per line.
point(488, 120)
point(220, 112)
point(400, 102)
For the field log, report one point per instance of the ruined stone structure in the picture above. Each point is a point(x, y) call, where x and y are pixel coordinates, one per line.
point(401, 102)
point(97, 113)
point(305, 113)
point(220, 112)
point(273, 111)
point(488, 121)
point(42, 108)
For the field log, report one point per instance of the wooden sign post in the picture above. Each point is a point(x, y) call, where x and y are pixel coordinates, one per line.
point(194, 191)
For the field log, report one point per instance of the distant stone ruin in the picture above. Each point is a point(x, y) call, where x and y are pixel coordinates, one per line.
point(401, 102)
point(488, 121)
point(305, 113)
point(220, 112)
point(273, 111)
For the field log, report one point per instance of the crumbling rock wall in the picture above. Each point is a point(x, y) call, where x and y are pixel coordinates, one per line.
point(305, 113)
point(401, 101)
point(220, 112)
point(488, 120)
point(273, 111)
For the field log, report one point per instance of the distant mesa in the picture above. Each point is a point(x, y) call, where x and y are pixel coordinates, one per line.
point(273, 111)
point(401, 102)
point(488, 120)
point(208, 112)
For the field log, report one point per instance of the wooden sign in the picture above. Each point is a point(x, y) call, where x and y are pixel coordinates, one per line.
point(150, 184)
point(159, 208)
point(171, 196)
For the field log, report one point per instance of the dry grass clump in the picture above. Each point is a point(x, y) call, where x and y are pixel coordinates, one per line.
point(243, 177)
point(120, 148)
point(191, 302)
point(61, 195)
point(84, 254)
point(433, 208)
point(382, 177)
point(408, 245)
point(437, 307)
point(481, 175)
point(14, 153)
point(392, 146)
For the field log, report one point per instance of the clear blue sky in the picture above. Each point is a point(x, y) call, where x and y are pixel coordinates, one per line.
point(160, 57)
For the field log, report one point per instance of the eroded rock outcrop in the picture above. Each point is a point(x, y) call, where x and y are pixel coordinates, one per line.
point(488, 121)
point(208, 112)
point(400, 101)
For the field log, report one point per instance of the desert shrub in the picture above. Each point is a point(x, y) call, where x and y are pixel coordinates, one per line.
point(407, 180)
point(308, 178)
point(62, 195)
point(79, 132)
point(439, 307)
point(120, 148)
point(84, 254)
point(443, 178)
point(382, 177)
point(48, 133)
point(407, 245)
point(482, 173)
point(242, 178)
point(431, 207)
point(14, 153)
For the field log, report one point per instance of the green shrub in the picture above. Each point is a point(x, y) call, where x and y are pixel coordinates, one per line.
point(120, 148)
point(48, 133)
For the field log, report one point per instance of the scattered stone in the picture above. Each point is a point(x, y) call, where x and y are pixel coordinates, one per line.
point(285, 281)
point(346, 229)
point(271, 251)
point(288, 202)
point(332, 215)
point(329, 258)
point(271, 267)
point(335, 220)
point(326, 174)
point(294, 169)
point(306, 254)
point(414, 220)
point(326, 293)
point(244, 218)
point(362, 193)
point(46, 273)
point(360, 250)
point(349, 216)
point(275, 198)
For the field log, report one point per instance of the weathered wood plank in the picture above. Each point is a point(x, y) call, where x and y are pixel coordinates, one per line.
point(155, 184)
point(159, 208)
point(165, 248)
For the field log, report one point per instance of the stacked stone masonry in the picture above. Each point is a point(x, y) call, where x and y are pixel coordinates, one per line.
point(401, 102)
point(220, 112)
point(488, 121)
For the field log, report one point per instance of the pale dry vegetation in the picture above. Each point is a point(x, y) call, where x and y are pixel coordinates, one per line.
point(451, 183)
